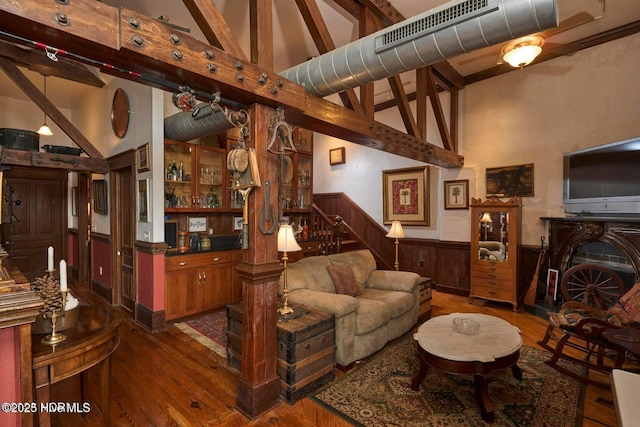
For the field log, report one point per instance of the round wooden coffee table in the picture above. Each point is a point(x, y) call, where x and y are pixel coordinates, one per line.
point(495, 346)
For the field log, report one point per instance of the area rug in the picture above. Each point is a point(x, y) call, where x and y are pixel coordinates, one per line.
point(209, 330)
point(379, 394)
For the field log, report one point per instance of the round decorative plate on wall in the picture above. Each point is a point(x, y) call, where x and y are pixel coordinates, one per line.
point(120, 113)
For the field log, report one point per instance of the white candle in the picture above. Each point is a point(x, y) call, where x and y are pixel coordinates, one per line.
point(50, 258)
point(63, 275)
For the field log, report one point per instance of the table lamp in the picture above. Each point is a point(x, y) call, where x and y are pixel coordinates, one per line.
point(396, 232)
point(286, 243)
point(486, 221)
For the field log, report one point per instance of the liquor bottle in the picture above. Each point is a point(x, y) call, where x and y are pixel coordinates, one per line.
point(181, 171)
point(305, 231)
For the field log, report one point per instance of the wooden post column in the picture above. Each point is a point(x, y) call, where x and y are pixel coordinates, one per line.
point(260, 269)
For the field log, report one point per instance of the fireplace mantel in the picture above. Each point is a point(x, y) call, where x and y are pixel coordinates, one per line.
point(568, 233)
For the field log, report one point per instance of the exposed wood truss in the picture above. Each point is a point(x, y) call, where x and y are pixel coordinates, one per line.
point(96, 163)
point(125, 39)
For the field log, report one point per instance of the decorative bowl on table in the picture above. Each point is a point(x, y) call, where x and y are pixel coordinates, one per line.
point(466, 325)
point(42, 325)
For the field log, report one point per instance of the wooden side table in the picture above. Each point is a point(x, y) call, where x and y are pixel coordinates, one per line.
point(88, 344)
point(627, 338)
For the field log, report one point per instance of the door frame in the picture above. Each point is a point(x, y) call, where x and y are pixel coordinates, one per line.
point(126, 160)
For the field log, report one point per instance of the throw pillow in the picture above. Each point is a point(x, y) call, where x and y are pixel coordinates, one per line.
point(630, 303)
point(343, 279)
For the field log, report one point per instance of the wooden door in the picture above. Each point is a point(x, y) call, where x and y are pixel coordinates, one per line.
point(124, 237)
point(216, 286)
point(183, 293)
point(37, 217)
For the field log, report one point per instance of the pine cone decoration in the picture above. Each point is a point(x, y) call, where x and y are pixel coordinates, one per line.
point(49, 290)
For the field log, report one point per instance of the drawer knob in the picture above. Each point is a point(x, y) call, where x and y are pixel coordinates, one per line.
point(492, 283)
point(182, 263)
point(216, 259)
point(307, 346)
point(491, 276)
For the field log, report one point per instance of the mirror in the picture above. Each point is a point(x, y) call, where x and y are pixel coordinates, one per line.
point(493, 238)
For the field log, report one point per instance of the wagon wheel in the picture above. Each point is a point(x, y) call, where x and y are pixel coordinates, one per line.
point(592, 284)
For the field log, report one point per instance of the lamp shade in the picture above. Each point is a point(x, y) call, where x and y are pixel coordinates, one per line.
point(44, 130)
point(396, 231)
point(286, 239)
point(486, 218)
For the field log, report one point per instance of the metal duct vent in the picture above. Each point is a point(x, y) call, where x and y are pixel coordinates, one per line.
point(441, 33)
point(205, 119)
point(437, 21)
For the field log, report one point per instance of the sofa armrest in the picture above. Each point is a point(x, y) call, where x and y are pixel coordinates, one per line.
point(391, 280)
point(337, 304)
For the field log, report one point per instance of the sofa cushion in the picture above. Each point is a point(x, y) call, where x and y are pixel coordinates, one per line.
point(362, 262)
point(370, 315)
point(397, 302)
point(343, 279)
point(309, 273)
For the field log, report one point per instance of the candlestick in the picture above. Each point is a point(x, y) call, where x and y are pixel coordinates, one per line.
point(50, 258)
point(63, 275)
point(54, 337)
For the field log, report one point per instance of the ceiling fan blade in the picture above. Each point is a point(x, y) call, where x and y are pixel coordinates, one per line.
point(478, 57)
point(554, 50)
point(569, 23)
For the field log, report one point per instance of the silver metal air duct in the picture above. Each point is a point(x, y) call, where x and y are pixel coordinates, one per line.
point(205, 119)
point(436, 35)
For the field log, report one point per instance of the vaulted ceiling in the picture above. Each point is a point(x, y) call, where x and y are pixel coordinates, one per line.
point(283, 33)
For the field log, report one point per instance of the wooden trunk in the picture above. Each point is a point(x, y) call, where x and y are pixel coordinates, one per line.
point(306, 349)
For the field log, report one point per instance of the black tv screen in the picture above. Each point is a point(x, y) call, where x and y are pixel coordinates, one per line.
point(603, 179)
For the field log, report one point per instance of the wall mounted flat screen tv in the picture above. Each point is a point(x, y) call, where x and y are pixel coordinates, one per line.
point(603, 180)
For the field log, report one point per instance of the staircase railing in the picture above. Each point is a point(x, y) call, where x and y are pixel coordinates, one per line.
point(327, 231)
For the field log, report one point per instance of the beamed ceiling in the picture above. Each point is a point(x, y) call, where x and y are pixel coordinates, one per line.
point(250, 42)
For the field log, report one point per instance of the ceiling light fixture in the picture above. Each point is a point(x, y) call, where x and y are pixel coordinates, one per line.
point(521, 52)
point(44, 129)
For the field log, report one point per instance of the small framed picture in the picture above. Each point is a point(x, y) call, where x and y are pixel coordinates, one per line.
point(143, 158)
point(100, 196)
point(456, 194)
point(197, 224)
point(553, 279)
point(144, 194)
point(337, 156)
point(238, 223)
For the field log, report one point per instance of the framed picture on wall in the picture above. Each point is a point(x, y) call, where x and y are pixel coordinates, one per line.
point(405, 195)
point(510, 181)
point(456, 194)
point(143, 200)
point(143, 158)
point(99, 188)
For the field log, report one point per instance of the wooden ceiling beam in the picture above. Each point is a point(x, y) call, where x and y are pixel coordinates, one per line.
point(39, 62)
point(438, 111)
point(323, 41)
point(261, 24)
point(47, 106)
point(403, 105)
point(214, 26)
point(367, 25)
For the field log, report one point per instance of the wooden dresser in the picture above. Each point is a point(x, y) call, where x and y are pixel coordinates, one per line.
point(306, 349)
point(495, 242)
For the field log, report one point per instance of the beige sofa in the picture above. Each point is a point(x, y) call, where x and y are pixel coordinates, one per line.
point(386, 307)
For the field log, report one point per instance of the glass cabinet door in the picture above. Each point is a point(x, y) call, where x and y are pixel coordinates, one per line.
point(304, 199)
point(210, 172)
point(178, 173)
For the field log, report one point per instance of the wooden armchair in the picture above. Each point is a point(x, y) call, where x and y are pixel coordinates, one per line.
point(595, 303)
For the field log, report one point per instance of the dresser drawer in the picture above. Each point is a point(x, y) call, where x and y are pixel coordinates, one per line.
point(493, 291)
point(492, 267)
point(207, 259)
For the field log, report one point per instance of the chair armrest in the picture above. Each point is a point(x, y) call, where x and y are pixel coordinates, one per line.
point(591, 327)
point(390, 280)
point(573, 305)
point(336, 304)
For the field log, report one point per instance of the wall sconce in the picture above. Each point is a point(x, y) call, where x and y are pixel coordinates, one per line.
point(396, 232)
point(44, 129)
point(521, 52)
point(286, 243)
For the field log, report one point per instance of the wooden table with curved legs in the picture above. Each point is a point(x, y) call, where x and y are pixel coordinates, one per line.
point(89, 343)
point(495, 346)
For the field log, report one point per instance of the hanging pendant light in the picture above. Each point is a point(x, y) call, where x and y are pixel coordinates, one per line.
point(44, 129)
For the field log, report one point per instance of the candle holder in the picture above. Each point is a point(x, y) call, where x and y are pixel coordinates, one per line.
point(54, 337)
point(51, 273)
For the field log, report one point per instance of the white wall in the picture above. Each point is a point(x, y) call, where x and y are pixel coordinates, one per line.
point(528, 116)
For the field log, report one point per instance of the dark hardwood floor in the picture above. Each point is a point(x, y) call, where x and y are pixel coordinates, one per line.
point(169, 379)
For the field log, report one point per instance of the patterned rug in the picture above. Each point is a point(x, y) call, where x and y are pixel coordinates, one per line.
point(209, 330)
point(379, 394)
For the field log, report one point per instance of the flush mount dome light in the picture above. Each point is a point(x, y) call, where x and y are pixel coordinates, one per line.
point(521, 52)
